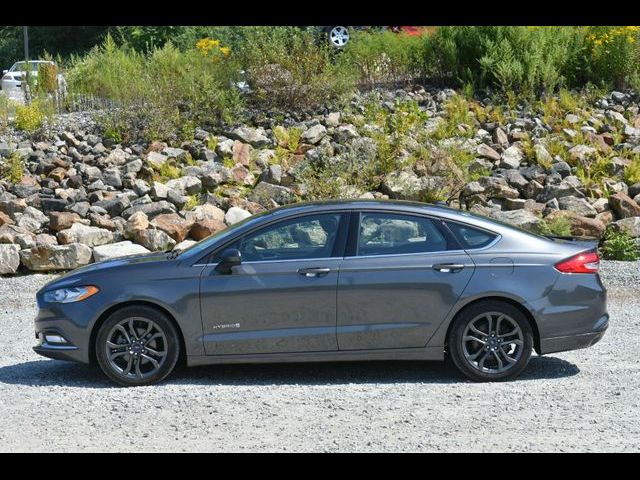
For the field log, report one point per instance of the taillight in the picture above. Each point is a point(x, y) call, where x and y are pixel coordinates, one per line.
point(582, 263)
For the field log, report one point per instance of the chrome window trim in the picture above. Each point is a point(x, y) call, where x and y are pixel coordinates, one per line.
point(253, 262)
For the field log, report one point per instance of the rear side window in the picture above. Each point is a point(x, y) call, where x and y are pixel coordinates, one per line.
point(471, 237)
point(393, 234)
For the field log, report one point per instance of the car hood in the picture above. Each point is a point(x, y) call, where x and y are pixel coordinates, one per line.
point(75, 277)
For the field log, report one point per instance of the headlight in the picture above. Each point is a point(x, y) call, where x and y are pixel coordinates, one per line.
point(69, 295)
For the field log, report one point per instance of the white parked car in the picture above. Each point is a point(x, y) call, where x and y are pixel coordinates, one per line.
point(12, 79)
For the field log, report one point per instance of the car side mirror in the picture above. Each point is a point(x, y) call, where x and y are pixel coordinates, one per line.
point(229, 259)
point(5, 72)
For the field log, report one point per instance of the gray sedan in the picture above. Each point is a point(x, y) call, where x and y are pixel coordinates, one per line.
point(340, 280)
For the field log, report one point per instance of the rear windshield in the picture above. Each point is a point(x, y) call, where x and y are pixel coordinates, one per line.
point(470, 237)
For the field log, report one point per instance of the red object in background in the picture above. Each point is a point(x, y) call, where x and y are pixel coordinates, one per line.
point(412, 31)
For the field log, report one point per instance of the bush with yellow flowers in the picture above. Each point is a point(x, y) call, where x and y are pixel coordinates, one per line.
point(211, 48)
point(614, 53)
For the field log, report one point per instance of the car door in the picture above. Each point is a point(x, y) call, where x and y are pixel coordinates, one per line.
point(399, 280)
point(282, 297)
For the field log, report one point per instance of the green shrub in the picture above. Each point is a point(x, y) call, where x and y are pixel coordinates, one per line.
point(523, 59)
point(619, 245)
point(162, 94)
point(288, 69)
point(30, 117)
point(558, 226)
point(13, 168)
point(613, 54)
point(632, 172)
point(4, 111)
point(385, 57)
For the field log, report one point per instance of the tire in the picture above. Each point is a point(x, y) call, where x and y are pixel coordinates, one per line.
point(480, 321)
point(338, 36)
point(154, 333)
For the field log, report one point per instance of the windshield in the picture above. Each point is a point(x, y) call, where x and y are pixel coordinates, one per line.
point(20, 66)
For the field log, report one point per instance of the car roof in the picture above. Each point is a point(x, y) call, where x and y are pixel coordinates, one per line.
point(371, 204)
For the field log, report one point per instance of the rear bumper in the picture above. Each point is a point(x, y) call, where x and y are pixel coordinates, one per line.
point(575, 342)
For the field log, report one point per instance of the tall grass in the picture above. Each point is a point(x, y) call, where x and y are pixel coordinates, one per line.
point(157, 93)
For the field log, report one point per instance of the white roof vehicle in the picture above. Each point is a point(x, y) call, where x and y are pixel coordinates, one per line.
point(12, 79)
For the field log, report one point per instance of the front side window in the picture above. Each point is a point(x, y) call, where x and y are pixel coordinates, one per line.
point(393, 234)
point(311, 236)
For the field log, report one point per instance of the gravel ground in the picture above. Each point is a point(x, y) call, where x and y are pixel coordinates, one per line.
point(575, 401)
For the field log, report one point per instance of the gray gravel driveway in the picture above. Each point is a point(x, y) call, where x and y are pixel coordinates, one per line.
point(575, 401)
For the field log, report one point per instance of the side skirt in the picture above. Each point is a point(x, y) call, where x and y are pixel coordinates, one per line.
point(429, 353)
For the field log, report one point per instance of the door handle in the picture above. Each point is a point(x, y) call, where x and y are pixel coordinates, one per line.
point(314, 272)
point(448, 267)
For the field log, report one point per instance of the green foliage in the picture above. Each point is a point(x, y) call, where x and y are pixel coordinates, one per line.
point(288, 69)
point(457, 112)
point(47, 77)
point(212, 143)
point(192, 202)
point(13, 168)
point(30, 117)
point(619, 245)
point(384, 57)
point(558, 226)
point(167, 171)
point(4, 112)
point(162, 94)
point(613, 54)
point(592, 173)
point(632, 172)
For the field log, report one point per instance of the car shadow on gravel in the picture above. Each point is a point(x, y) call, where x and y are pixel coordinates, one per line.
point(46, 373)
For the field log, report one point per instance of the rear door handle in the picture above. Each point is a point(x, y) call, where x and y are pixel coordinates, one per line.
point(448, 267)
point(314, 272)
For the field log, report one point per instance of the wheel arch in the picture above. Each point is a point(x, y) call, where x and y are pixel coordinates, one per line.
point(114, 308)
point(520, 306)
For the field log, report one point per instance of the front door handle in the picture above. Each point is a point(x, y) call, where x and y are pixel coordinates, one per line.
point(314, 272)
point(448, 267)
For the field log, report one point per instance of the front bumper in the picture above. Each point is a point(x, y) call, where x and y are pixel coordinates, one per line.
point(57, 351)
point(575, 342)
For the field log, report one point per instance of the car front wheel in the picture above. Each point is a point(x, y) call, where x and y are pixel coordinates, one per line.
point(137, 345)
point(491, 341)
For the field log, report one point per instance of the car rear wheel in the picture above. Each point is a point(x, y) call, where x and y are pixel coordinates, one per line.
point(338, 36)
point(491, 341)
point(137, 345)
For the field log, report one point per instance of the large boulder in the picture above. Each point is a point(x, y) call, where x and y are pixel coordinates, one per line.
point(56, 257)
point(154, 240)
point(256, 137)
point(495, 187)
point(173, 225)
point(86, 235)
point(624, 206)
point(136, 222)
point(63, 220)
point(9, 258)
point(266, 193)
point(580, 226)
point(579, 206)
point(518, 218)
point(314, 134)
point(630, 225)
point(186, 185)
point(117, 250)
point(205, 212)
point(151, 210)
point(204, 228)
point(406, 185)
point(235, 215)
